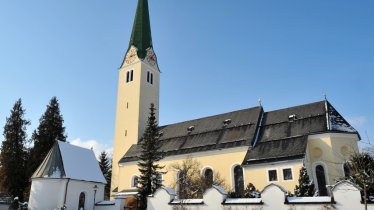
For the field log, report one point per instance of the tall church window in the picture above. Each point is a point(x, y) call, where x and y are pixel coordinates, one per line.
point(238, 180)
point(321, 180)
point(131, 75)
point(208, 175)
point(347, 170)
point(127, 76)
point(151, 78)
point(82, 200)
point(181, 181)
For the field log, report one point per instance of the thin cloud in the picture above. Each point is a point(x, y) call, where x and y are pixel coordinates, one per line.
point(96, 146)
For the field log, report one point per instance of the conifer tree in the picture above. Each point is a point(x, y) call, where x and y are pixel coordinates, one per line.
point(149, 156)
point(49, 130)
point(106, 167)
point(13, 152)
point(305, 187)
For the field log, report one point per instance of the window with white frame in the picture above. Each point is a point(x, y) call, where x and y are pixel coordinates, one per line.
point(272, 175)
point(134, 181)
point(287, 174)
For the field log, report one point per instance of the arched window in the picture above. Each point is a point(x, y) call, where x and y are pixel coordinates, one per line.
point(134, 181)
point(208, 175)
point(321, 180)
point(82, 199)
point(239, 180)
point(181, 181)
point(347, 170)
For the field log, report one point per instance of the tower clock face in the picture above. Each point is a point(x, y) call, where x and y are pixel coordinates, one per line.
point(151, 57)
point(130, 57)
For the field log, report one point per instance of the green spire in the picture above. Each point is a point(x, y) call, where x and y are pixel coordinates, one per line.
point(141, 32)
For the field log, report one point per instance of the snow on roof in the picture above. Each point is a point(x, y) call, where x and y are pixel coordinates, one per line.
point(169, 190)
point(105, 203)
point(220, 189)
point(80, 163)
point(321, 199)
point(65, 160)
point(243, 201)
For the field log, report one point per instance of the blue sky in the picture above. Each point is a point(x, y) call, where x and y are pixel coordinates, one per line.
point(215, 56)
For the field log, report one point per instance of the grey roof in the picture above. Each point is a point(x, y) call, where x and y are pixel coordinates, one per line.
point(283, 133)
point(270, 136)
point(209, 133)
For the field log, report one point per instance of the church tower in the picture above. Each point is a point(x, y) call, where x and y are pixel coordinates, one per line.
point(138, 87)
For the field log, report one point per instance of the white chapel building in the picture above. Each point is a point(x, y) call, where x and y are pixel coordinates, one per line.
point(69, 176)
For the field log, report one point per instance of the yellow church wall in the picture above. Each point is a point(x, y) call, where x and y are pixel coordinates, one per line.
point(258, 174)
point(331, 151)
point(222, 161)
point(319, 151)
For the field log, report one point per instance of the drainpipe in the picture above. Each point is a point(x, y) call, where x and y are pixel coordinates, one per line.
point(66, 191)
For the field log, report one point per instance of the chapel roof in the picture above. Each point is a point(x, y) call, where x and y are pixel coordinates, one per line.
point(65, 160)
point(269, 136)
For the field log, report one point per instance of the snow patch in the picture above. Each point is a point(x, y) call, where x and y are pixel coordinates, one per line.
point(321, 199)
point(187, 201)
point(80, 163)
point(339, 124)
point(220, 189)
point(105, 203)
point(56, 173)
point(243, 200)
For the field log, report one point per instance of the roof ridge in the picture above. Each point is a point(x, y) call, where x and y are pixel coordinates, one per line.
point(210, 116)
point(287, 121)
point(297, 106)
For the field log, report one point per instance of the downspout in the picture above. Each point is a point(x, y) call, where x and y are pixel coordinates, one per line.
point(66, 191)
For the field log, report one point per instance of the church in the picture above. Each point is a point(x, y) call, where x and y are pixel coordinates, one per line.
point(252, 145)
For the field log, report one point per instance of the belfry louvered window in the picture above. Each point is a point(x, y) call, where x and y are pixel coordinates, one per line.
point(150, 77)
point(129, 76)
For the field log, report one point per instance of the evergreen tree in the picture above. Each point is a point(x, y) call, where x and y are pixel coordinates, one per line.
point(305, 187)
point(49, 130)
point(149, 156)
point(13, 152)
point(106, 167)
